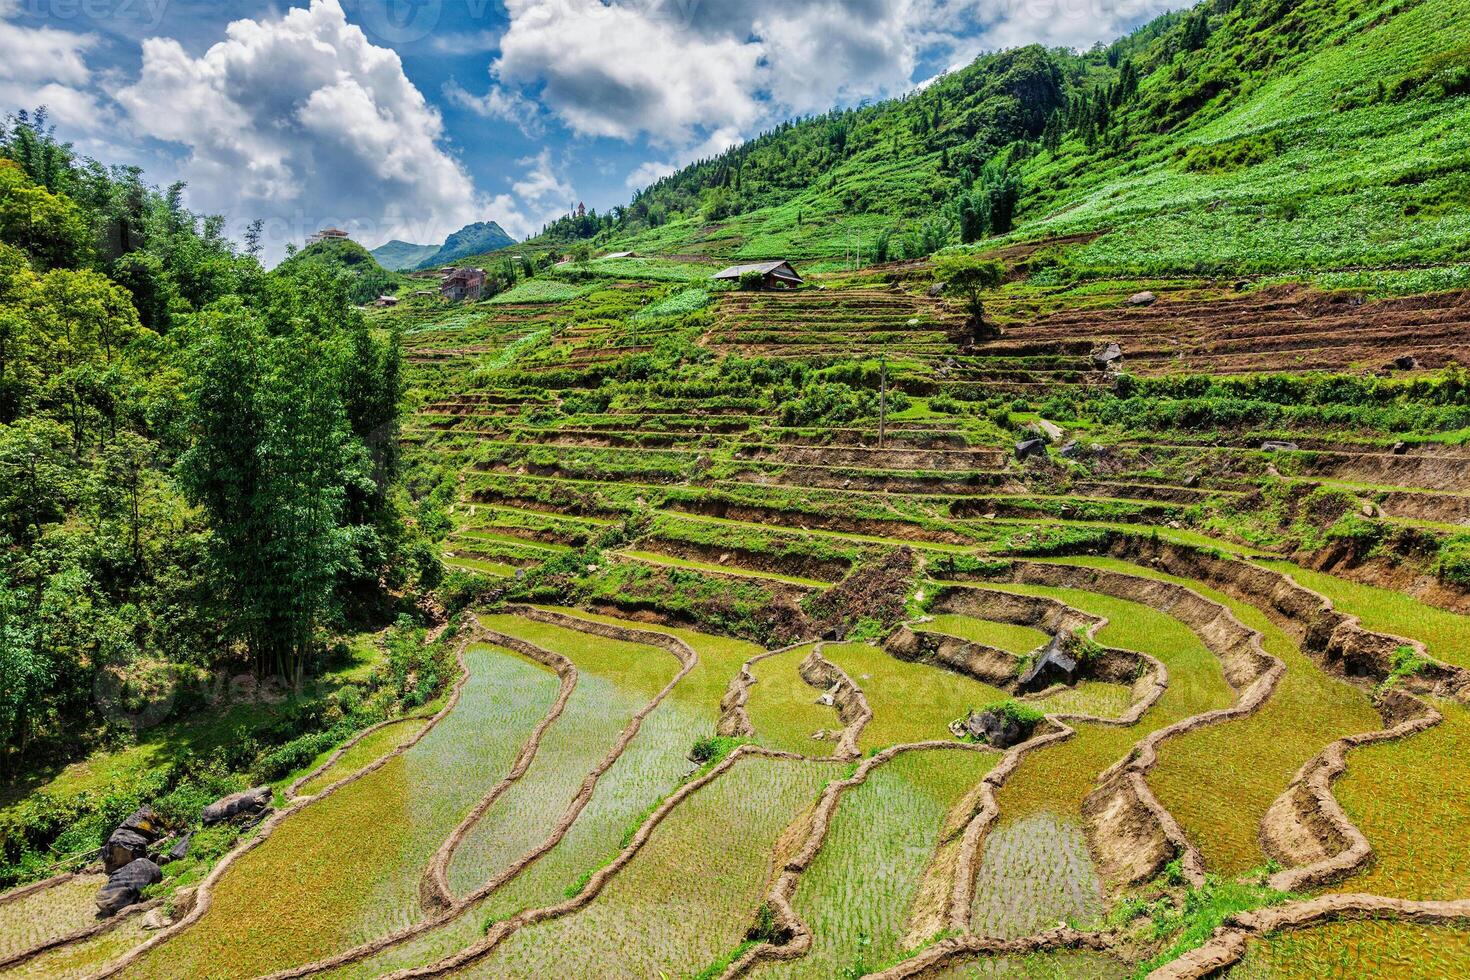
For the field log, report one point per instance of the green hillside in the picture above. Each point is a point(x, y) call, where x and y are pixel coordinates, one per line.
point(1238, 138)
point(480, 238)
point(361, 275)
point(1075, 583)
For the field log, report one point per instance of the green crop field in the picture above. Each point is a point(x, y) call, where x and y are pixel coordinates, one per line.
point(1047, 557)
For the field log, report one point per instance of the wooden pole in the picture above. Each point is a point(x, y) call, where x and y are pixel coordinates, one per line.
point(882, 400)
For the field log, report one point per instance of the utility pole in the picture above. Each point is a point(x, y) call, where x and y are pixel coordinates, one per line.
point(882, 400)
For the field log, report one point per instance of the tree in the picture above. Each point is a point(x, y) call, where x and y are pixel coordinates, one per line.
point(24, 671)
point(34, 487)
point(268, 466)
point(49, 227)
point(969, 277)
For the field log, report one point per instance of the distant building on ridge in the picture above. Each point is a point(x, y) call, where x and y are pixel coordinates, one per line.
point(328, 234)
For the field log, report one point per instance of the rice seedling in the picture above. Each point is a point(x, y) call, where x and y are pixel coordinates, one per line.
point(783, 708)
point(48, 914)
point(1040, 966)
point(1097, 698)
point(338, 885)
point(687, 897)
point(365, 752)
point(623, 797)
point(1402, 950)
point(85, 958)
point(615, 681)
point(1035, 873)
point(1003, 636)
point(911, 702)
point(1218, 781)
point(864, 880)
point(1446, 634)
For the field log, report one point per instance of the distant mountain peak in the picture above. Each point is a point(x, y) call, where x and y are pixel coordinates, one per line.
point(473, 239)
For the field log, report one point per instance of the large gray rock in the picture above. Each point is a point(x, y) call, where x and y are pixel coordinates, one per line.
point(125, 886)
point(1109, 358)
point(246, 804)
point(1275, 446)
point(1027, 448)
point(122, 849)
point(180, 850)
point(1142, 299)
point(145, 822)
point(996, 729)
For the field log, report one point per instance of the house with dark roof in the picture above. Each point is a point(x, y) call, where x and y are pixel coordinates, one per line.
point(774, 275)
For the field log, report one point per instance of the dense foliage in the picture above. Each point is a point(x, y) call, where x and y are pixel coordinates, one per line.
point(198, 459)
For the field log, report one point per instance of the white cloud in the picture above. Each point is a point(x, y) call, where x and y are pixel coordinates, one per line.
point(612, 70)
point(305, 122)
point(679, 73)
point(541, 182)
point(46, 66)
point(497, 103)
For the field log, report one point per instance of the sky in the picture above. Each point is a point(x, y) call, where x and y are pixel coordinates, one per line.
point(407, 119)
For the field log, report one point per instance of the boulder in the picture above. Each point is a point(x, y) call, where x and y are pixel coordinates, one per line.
point(122, 849)
point(1191, 481)
point(144, 821)
point(1400, 448)
point(1405, 363)
point(1142, 299)
point(248, 804)
point(936, 290)
point(1110, 358)
point(112, 899)
point(996, 729)
point(1274, 446)
point(180, 850)
point(125, 886)
point(1027, 448)
point(1072, 450)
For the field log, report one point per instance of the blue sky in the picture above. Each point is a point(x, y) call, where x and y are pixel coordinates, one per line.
point(409, 118)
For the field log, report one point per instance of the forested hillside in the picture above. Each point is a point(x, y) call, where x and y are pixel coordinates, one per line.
point(1238, 137)
point(199, 478)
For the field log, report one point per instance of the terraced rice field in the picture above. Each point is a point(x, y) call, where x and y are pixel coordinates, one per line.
point(695, 515)
point(348, 886)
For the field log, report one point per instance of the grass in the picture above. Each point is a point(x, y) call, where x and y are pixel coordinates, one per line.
point(860, 889)
point(1218, 781)
point(783, 708)
point(911, 702)
point(346, 869)
point(1019, 640)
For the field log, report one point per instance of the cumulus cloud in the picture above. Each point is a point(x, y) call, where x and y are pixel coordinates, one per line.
point(46, 66)
point(683, 74)
point(497, 103)
point(303, 121)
